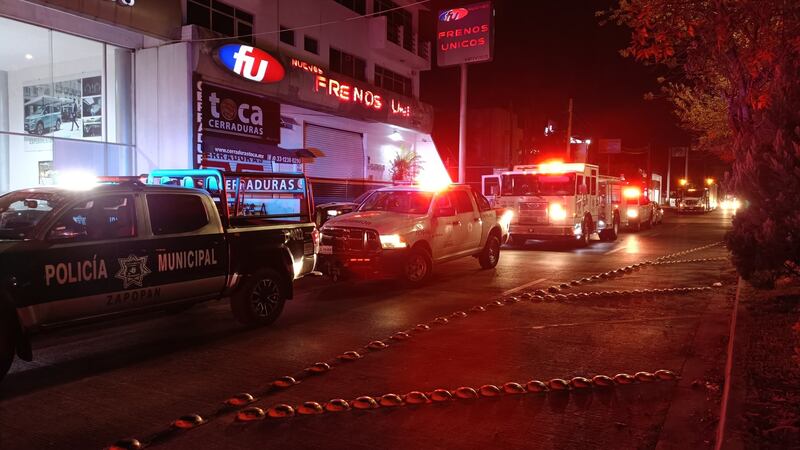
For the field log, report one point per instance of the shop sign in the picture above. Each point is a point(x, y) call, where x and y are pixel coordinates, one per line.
point(267, 185)
point(234, 129)
point(358, 95)
point(464, 35)
point(250, 63)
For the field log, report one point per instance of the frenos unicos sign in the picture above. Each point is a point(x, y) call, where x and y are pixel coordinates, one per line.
point(464, 35)
point(250, 63)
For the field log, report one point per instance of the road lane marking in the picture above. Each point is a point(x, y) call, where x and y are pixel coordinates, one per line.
point(519, 288)
point(618, 249)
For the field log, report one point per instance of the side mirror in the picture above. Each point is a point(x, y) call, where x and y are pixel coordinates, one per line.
point(445, 212)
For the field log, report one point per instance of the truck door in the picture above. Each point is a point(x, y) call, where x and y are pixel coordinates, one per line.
point(468, 233)
point(184, 253)
point(445, 225)
point(79, 264)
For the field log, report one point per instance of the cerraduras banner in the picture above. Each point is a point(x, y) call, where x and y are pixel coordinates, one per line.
point(465, 35)
point(233, 129)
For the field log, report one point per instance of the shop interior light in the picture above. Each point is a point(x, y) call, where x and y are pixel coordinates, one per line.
point(396, 136)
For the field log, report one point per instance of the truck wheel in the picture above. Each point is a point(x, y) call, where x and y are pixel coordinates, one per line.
point(491, 253)
point(58, 125)
point(611, 234)
point(40, 128)
point(7, 347)
point(418, 266)
point(260, 300)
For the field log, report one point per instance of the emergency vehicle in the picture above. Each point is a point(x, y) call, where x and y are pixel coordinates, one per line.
point(405, 230)
point(92, 253)
point(636, 210)
point(693, 198)
point(555, 200)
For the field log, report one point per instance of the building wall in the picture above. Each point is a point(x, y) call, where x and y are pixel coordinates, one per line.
point(352, 36)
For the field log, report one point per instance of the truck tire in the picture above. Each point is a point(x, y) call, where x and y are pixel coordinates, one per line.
point(611, 234)
point(490, 255)
point(7, 346)
point(418, 266)
point(260, 300)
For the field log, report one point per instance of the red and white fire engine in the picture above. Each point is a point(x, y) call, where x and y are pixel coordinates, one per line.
point(554, 200)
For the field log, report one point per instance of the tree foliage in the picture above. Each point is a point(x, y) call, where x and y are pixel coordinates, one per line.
point(744, 54)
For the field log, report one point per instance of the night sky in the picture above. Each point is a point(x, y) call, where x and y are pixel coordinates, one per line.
point(545, 53)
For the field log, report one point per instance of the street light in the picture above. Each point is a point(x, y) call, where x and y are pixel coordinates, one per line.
point(682, 181)
point(709, 181)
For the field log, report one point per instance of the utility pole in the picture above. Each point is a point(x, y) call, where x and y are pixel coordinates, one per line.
point(669, 174)
point(569, 131)
point(686, 166)
point(649, 170)
point(462, 128)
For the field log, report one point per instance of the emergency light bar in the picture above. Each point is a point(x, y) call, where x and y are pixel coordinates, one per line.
point(552, 167)
point(631, 192)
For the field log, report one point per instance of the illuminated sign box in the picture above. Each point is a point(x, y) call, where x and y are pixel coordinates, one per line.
point(465, 35)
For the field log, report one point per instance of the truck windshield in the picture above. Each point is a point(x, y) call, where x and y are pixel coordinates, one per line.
point(404, 202)
point(21, 213)
point(539, 184)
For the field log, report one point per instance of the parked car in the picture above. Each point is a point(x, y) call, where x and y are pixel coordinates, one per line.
point(405, 230)
point(68, 256)
point(326, 211)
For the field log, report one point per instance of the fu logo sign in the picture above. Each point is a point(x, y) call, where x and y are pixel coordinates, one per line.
point(251, 63)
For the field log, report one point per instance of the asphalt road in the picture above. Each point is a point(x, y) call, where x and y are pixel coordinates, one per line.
point(91, 386)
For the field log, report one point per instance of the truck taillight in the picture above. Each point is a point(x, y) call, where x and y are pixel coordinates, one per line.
point(315, 240)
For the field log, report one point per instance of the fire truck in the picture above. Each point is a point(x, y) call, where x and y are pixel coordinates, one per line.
point(554, 200)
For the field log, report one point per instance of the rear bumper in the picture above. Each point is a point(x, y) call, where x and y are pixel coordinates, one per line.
point(363, 265)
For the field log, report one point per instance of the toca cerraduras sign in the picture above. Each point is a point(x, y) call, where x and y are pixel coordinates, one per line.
point(465, 35)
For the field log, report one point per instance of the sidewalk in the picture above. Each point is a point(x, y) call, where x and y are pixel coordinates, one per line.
point(764, 408)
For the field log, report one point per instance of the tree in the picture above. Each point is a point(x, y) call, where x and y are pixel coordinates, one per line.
point(405, 165)
point(745, 54)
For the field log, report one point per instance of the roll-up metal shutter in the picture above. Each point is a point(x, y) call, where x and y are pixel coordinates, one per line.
point(344, 153)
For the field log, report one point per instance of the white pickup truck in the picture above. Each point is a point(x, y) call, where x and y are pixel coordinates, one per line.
point(405, 230)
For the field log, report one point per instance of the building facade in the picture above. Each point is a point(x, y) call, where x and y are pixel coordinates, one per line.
point(123, 87)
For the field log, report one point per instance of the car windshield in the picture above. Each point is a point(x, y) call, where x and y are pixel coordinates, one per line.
point(21, 213)
point(404, 202)
point(541, 184)
point(360, 199)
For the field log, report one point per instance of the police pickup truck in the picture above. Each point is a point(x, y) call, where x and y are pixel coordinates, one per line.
point(71, 256)
point(404, 230)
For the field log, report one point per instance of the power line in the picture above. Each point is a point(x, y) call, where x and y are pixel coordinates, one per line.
point(303, 27)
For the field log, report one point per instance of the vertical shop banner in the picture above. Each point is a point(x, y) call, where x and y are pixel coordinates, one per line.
point(234, 130)
point(465, 35)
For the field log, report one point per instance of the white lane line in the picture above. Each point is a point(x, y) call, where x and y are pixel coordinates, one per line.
point(519, 288)
point(618, 249)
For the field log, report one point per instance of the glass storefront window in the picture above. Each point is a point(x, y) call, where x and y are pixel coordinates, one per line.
point(66, 103)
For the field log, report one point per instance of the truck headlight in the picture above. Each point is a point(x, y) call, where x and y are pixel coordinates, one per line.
point(392, 241)
point(632, 213)
point(557, 212)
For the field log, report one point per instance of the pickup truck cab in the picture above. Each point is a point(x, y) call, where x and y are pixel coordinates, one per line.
point(71, 256)
point(405, 230)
